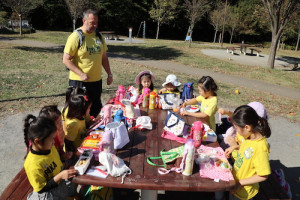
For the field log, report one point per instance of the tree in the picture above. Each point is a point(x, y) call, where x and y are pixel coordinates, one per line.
point(195, 10)
point(22, 7)
point(215, 18)
point(162, 12)
point(76, 8)
point(279, 12)
point(3, 20)
point(233, 21)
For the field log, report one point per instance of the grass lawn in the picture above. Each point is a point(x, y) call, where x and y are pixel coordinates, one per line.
point(32, 77)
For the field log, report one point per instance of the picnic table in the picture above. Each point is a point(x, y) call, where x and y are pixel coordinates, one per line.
point(149, 143)
point(110, 35)
point(243, 47)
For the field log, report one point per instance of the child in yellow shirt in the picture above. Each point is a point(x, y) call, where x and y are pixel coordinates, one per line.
point(208, 99)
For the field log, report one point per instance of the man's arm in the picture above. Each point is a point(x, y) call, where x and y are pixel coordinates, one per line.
point(67, 60)
point(106, 66)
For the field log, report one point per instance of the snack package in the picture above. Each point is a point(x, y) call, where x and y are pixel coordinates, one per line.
point(91, 142)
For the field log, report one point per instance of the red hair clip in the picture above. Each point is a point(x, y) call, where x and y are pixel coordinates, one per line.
point(85, 98)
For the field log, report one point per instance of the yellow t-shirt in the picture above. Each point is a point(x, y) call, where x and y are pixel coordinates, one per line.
point(239, 139)
point(252, 158)
point(88, 57)
point(41, 168)
point(167, 91)
point(75, 130)
point(64, 115)
point(209, 106)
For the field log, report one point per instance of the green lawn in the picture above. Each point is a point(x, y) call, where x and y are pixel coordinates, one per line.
point(32, 77)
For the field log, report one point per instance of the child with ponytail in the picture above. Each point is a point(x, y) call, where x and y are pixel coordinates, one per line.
point(251, 157)
point(75, 123)
point(43, 166)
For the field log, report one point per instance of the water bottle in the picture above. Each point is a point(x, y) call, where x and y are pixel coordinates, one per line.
point(152, 100)
point(196, 132)
point(189, 151)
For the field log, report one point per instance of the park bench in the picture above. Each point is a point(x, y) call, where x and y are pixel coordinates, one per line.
point(18, 188)
point(232, 49)
point(110, 35)
point(271, 190)
point(257, 50)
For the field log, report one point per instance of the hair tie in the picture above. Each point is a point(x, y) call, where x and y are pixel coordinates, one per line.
point(85, 97)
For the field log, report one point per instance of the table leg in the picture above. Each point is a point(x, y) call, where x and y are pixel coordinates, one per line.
point(149, 194)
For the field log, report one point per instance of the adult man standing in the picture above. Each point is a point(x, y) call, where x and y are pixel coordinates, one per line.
point(85, 62)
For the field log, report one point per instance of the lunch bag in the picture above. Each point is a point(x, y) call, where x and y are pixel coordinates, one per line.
point(166, 100)
point(174, 124)
point(169, 158)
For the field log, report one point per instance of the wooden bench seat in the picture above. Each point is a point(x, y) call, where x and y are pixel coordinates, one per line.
point(18, 188)
point(271, 190)
point(257, 50)
point(232, 49)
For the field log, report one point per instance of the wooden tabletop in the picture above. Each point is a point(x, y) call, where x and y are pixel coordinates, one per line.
point(144, 176)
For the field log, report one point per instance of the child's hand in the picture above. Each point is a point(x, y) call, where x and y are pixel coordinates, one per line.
point(96, 119)
point(221, 111)
point(162, 90)
point(183, 113)
point(229, 150)
point(65, 174)
point(183, 105)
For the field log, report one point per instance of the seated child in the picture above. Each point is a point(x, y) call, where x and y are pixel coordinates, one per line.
point(208, 99)
point(54, 114)
point(251, 164)
point(74, 122)
point(42, 165)
point(171, 85)
point(231, 137)
point(145, 80)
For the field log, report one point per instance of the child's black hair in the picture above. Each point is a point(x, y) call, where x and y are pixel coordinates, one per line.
point(208, 84)
point(246, 115)
point(37, 127)
point(71, 91)
point(78, 105)
point(141, 86)
point(50, 112)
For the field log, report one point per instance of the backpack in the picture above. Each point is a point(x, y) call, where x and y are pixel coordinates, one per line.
point(81, 36)
point(188, 91)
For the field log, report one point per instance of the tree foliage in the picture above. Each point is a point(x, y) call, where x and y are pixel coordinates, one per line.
point(279, 12)
point(215, 18)
point(195, 10)
point(22, 7)
point(76, 8)
point(162, 12)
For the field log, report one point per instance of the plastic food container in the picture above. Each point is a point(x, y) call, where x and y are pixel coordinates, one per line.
point(84, 161)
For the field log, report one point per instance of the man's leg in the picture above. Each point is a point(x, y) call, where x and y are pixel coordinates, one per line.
point(94, 90)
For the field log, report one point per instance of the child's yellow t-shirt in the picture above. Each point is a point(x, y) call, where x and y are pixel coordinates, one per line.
point(252, 158)
point(75, 130)
point(41, 168)
point(209, 106)
point(88, 57)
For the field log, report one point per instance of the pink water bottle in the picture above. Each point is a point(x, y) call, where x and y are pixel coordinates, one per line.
point(197, 131)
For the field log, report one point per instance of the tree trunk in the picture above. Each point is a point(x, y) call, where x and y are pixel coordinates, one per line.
point(273, 49)
point(215, 37)
point(20, 24)
point(190, 42)
point(231, 35)
point(74, 24)
point(297, 45)
point(157, 30)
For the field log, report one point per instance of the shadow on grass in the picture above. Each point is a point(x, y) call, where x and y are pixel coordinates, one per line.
point(104, 91)
point(140, 52)
point(56, 49)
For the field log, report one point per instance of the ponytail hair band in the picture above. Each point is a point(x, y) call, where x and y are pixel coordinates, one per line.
point(85, 97)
